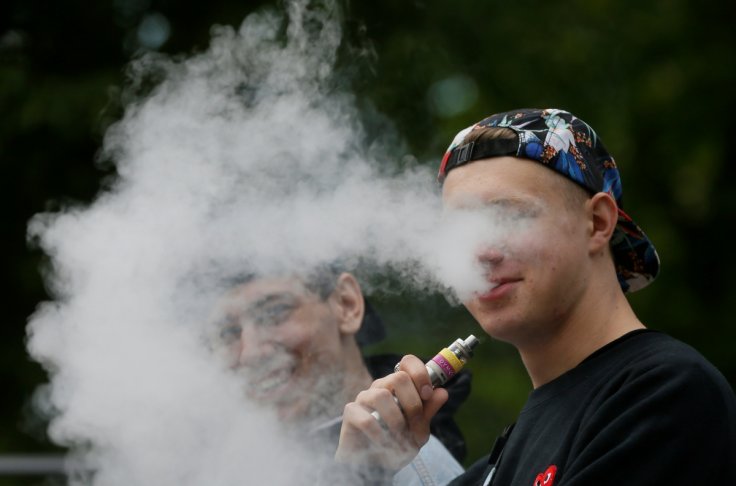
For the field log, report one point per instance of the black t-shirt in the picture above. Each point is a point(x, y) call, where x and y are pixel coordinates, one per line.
point(645, 409)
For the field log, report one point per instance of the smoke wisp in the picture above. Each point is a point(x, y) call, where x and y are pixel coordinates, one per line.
point(249, 157)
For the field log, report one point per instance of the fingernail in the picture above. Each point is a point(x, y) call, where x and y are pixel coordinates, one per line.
point(426, 392)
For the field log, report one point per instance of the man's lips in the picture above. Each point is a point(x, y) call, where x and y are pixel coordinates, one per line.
point(268, 385)
point(499, 288)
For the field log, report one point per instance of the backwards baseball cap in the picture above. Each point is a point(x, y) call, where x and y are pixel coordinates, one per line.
point(566, 144)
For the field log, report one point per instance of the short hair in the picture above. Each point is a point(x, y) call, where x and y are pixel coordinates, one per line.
point(322, 281)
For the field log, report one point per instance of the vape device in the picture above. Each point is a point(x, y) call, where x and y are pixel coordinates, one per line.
point(450, 360)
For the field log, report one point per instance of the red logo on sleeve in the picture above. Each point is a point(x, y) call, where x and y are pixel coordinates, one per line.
point(547, 478)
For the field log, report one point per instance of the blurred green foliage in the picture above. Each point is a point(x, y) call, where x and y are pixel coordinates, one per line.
point(654, 78)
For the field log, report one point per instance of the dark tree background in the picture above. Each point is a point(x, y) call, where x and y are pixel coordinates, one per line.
point(656, 79)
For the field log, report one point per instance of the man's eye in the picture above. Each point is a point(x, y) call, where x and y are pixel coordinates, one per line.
point(273, 315)
point(231, 334)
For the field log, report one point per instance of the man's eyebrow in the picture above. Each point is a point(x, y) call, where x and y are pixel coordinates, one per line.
point(232, 315)
point(511, 201)
point(266, 300)
point(501, 203)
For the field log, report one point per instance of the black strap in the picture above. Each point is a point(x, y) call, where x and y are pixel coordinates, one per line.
point(481, 150)
point(495, 457)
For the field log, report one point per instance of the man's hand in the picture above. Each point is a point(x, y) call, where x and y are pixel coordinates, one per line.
point(405, 403)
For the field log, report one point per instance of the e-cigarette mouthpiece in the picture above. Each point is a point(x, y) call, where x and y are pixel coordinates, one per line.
point(450, 360)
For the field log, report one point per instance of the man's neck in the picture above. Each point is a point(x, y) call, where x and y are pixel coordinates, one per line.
point(357, 377)
point(592, 324)
point(359, 380)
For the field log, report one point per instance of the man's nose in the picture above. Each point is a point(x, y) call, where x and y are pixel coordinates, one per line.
point(254, 344)
point(490, 256)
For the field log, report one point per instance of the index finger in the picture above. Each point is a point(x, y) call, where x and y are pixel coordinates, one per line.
point(418, 373)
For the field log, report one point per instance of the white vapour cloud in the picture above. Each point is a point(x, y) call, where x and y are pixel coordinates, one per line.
point(246, 157)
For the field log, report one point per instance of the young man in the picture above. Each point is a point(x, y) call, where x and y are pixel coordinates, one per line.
point(613, 402)
point(298, 343)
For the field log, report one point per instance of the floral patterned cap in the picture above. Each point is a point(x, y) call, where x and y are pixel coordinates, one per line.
point(559, 140)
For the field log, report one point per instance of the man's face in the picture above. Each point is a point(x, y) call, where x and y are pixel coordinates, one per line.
point(536, 270)
point(286, 342)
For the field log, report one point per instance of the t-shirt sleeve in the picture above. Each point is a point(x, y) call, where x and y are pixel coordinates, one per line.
point(666, 424)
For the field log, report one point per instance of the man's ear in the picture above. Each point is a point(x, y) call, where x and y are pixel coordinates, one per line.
point(603, 214)
point(348, 304)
